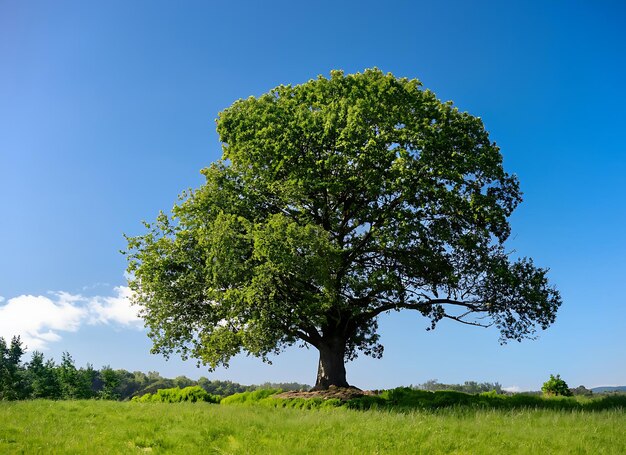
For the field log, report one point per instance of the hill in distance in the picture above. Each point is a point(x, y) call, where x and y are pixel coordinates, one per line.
point(604, 389)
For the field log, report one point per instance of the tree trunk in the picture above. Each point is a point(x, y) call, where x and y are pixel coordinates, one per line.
point(331, 369)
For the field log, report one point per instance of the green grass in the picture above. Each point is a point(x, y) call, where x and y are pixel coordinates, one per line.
point(187, 428)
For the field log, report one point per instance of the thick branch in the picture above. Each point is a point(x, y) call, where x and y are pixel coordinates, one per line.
point(462, 321)
point(373, 225)
point(417, 306)
point(305, 337)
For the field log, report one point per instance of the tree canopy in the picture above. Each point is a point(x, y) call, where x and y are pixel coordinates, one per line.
point(336, 201)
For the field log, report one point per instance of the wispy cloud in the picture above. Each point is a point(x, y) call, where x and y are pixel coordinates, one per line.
point(38, 320)
point(96, 285)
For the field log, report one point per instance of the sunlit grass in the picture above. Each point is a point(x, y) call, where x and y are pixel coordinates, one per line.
point(113, 427)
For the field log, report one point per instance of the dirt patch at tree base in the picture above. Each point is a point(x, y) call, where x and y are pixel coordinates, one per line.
point(342, 393)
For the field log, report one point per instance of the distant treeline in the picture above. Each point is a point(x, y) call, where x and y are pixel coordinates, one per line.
point(468, 387)
point(474, 387)
point(43, 378)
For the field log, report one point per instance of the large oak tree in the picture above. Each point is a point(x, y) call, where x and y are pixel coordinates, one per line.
point(336, 201)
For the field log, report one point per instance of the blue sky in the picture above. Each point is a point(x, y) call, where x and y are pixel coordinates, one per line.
point(107, 112)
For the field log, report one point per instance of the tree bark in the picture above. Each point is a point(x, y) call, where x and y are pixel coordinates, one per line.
point(331, 369)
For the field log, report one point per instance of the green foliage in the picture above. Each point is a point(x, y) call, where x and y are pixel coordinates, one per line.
point(336, 201)
point(555, 386)
point(190, 394)
point(111, 380)
point(44, 382)
point(75, 383)
point(87, 379)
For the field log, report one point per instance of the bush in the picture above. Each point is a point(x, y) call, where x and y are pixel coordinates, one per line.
point(177, 395)
point(555, 386)
point(405, 397)
point(250, 397)
point(366, 402)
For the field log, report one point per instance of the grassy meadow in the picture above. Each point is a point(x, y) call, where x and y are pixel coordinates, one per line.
point(91, 426)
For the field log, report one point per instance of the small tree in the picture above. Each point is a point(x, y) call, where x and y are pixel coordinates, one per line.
point(337, 201)
point(44, 381)
point(13, 385)
point(555, 386)
point(86, 382)
point(110, 382)
point(67, 375)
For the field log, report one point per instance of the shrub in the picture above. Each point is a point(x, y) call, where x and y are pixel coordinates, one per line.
point(366, 402)
point(555, 386)
point(250, 397)
point(177, 395)
point(405, 397)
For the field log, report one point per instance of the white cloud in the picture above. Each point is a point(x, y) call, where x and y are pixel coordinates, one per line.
point(39, 319)
point(114, 309)
point(1, 299)
point(512, 389)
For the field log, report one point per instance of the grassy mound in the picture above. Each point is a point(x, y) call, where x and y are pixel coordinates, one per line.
point(404, 398)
